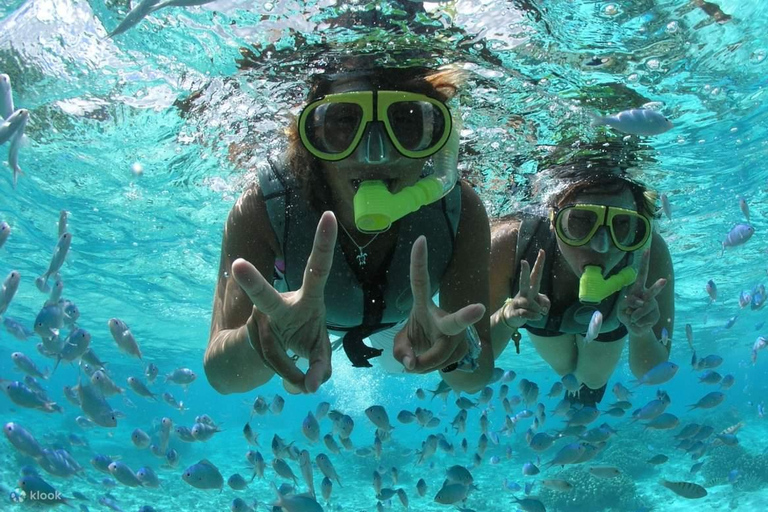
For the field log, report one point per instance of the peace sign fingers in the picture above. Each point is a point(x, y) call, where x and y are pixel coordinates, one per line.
point(420, 285)
point(530, 279)
point(642, 271)
point(262, 294)
point(537, 272)
point(321, 258)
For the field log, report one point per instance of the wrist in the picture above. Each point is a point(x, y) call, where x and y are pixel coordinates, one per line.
point(251, 332)
point(504, 320)
point(642, 333)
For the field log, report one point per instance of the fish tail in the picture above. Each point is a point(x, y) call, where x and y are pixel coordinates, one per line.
point(595, 120)
point(42, 283)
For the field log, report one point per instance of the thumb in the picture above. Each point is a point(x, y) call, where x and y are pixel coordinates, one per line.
point(455, 323)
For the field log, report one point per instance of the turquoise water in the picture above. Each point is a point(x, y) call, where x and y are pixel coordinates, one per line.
point(146, 244)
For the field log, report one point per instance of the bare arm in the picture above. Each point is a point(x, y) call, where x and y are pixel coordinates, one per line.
point(466, 282)
point(645, 351)
point(231, 364)
point(503, 267)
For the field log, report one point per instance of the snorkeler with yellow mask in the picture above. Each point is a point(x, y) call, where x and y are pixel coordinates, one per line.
point(374, 152)
point(585, 277)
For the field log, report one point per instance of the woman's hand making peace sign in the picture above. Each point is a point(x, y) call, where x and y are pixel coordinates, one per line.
point(528, 304)
point(638, 308)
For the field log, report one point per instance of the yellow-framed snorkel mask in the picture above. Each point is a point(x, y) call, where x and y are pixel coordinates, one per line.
point(630, 231)
point(332, 127)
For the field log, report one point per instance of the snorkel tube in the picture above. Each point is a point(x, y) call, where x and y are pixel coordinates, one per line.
point(376, 208)
point(594, 288)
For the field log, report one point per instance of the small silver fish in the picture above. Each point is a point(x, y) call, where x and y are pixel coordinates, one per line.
point(570, 382)
point(140, 388)
point(605, 471)
point(744, 208)
point(10, 126)
point(311, 428)
point(203, 475)
point(8, 290)
point(6, 96)
point(5, 232)
point(26, 365)
point(637, 121)
point(22, 440)
point(13, 150)
point(140, 439)
point(595, 323)
point(659, 374)
point(124, 338)
point(378, 416)
point(57, 260)
point(666, 207)
point(124, 474)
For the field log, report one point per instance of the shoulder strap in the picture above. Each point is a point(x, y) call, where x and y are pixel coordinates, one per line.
point(533, 235)
point(276, 186)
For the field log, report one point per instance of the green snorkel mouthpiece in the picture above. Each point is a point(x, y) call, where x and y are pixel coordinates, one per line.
point(593, 288)
point(376, 208)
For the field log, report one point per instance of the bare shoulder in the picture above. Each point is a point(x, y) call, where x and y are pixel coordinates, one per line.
point(504, 231)
point(248, 224)
point(660, 264)
point(471, 204)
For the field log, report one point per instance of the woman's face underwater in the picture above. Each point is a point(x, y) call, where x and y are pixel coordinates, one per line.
point(375, 158)
point(600, 250)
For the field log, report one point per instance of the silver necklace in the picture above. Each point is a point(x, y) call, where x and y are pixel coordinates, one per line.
point(361, 254)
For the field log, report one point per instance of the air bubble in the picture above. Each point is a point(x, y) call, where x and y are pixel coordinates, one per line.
point(611, 10)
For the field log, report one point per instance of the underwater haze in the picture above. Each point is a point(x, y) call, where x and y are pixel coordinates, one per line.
point(145, 139)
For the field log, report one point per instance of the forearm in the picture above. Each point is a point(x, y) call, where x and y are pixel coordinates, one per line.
point(471, 382)
point(645, 352)
point(232, 365)
point(501, 333)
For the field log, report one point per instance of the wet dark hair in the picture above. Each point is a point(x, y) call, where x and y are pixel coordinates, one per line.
point(440, 84)
point(579, 178)
point(573, 168)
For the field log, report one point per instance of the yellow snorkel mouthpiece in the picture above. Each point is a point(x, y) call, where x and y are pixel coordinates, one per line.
point(376, 208)
point(593, 288)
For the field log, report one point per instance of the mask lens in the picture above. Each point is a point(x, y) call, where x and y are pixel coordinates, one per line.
point(576, 225)
point(628, 230)
point(331, 127)
point(417, 125)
